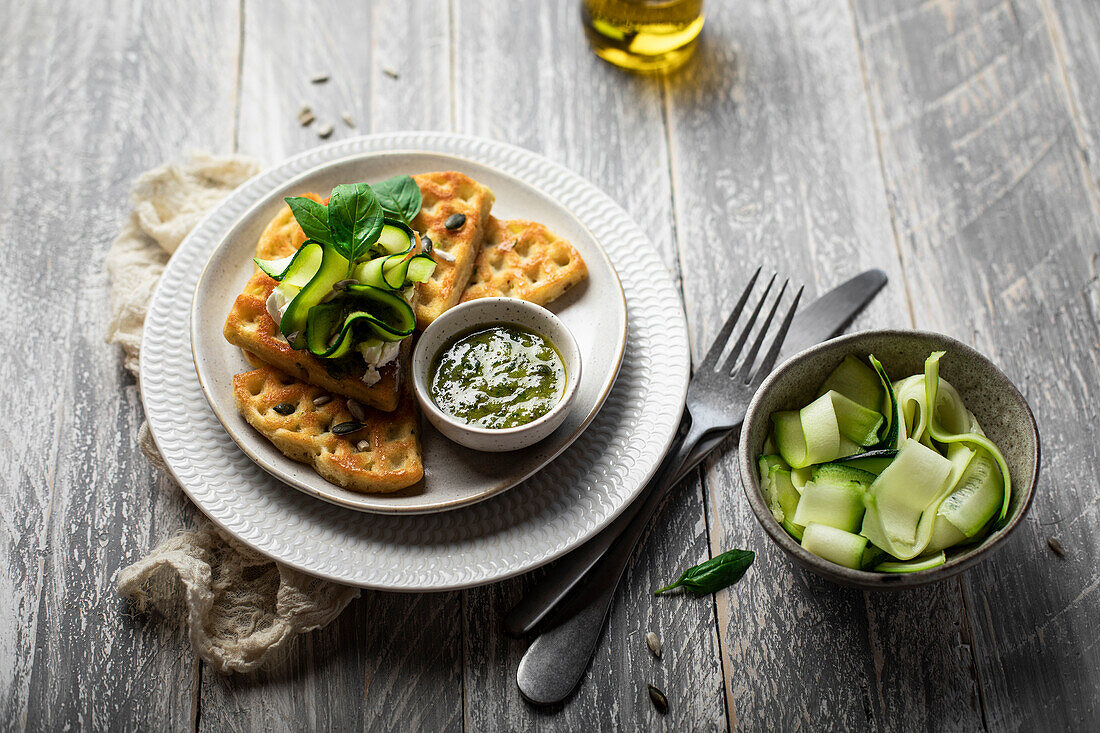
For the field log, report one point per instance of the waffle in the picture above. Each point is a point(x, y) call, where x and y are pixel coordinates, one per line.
point(516, 258)
point(283, 236)
point(446, 193)
point(525, 260)
point(250, 327)
point(389, 459)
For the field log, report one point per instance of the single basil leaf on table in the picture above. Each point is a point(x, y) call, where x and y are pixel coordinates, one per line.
point(312, 217)
point(399, 196)
point(715, 574)
point(354, 218)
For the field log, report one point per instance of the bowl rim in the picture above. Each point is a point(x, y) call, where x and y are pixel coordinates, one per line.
point(573, 373)
point(863, 578)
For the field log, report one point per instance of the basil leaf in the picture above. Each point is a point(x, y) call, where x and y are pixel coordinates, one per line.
point(400, 197)
point(715, 574)
point(312, 217)
point(354, 218)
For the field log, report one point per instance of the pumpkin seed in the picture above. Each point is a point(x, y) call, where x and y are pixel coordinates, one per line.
point(305, 116)
point(653, 643)
point(426, 244)
point(348, 119)
point(362, 445)
point(660, 702)
point(320, 400)
point(1056, 546)
point(345, 428)
point(455, 221)
point(390, 72)
point(325, 131)
point(319, 79)
point(285, 408)
point(357, 410)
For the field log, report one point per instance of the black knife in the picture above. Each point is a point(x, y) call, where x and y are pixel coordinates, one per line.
point(819, 321)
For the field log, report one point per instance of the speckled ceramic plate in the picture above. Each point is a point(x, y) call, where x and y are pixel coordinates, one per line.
point(986, 391)
point(554, 510)
point(454, 476)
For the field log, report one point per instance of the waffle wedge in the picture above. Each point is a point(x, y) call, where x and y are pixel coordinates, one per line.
point(446, 193)
point(382, 457)
point(283, 236)
point(525, 260)
point(249, 326)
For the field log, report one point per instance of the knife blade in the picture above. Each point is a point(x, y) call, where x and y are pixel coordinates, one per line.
point(821, 320)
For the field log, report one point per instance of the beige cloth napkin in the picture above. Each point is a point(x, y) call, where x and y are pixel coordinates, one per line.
point(241, 608)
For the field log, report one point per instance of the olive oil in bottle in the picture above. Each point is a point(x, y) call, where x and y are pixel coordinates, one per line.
point(643, 35)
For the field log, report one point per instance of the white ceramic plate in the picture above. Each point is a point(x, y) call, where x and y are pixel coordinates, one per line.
point(454, 476)
point(559, 507)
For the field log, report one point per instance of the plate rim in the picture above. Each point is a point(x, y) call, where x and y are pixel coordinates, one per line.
point(458, 579)
point(346, 498)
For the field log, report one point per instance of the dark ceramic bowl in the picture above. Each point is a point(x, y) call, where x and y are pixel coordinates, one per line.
point(1000, 408)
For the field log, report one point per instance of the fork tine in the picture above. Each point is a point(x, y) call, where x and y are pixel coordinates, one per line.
point(727, 365)
point(719, 343)
point(773, 353)
point(746, 366)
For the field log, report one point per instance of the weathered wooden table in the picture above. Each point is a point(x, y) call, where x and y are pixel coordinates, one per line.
point(953, 143)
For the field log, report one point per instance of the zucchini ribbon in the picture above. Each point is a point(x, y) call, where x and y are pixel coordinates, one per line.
point(336, 304)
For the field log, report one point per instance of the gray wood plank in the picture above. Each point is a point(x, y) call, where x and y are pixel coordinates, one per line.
point(1073, 26)
point(411, 75)
point(994, 209)
point(286, 45)
point(390, 660)
point(775, 163)
point(93, 97)
point(553, 96)
point(317, 686)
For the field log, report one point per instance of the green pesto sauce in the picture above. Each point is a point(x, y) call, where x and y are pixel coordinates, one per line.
point(498, 377)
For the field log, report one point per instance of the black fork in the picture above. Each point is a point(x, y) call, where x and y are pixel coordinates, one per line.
point(718, 395)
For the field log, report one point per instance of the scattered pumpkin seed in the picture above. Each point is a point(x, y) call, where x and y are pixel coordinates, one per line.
point(660, 702)
point(345, 428)
point(653, 643)
point(285, 408)
point(348, 119)
point(305, 116)
point(320, 400)
point(443, 255)
point(390, 72)
point(319, 79)
point(455, 221)
point(1056, 546)
point(357, 410)
point(362, 445)
point(426, 244)
point(325, 131)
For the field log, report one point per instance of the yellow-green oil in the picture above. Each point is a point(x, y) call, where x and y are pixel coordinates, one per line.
point(643, 35)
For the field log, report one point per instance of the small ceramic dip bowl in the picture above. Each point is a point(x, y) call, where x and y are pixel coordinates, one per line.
point(486, 313)
point(1000, 408)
